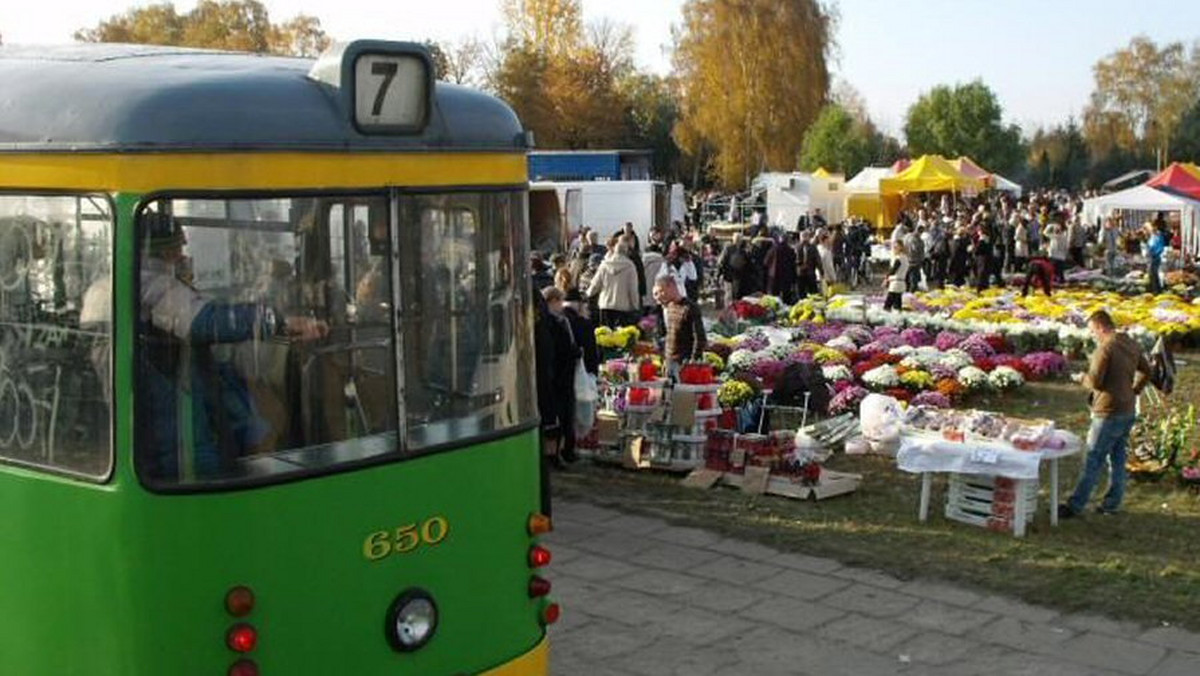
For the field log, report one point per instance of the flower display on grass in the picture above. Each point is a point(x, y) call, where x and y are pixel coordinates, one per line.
point(973, 378)
point(1005, 378)
point(881, 377)
point(847, 400)
point(917, 380)
point(1044, 364)
point(837, 373)
point(933, 399)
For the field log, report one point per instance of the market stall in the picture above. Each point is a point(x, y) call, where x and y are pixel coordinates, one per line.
point(968, 167)
point(931, 173)
point(1141, 204)
point(993, 462)
point(863, 199)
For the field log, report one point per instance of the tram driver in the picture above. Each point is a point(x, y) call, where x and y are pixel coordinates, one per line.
point(178, 326)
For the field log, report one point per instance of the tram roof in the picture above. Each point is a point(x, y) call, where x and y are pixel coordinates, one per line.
point(111, 97)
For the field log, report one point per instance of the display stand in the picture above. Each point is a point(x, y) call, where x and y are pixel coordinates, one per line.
point(667, 434)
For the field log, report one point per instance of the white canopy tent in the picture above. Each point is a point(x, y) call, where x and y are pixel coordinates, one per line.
point(867, 180)
point(1140, 204)
point(1005, 185)
point(792, 195)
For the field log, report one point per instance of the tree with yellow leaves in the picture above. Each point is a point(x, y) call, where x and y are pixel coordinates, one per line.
point(237, 25)
point(753, 76)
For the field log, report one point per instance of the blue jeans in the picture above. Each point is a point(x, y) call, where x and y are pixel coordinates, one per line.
point(1108, 441)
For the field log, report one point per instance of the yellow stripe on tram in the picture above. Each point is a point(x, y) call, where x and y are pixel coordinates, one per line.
point(257, 171)
point(536, 662)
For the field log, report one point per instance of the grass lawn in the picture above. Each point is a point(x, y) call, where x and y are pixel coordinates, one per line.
point(1142, 565)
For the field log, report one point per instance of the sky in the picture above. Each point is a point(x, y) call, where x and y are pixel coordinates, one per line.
point(1037, 55)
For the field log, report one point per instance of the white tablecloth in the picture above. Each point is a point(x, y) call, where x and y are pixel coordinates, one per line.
point(921, 453)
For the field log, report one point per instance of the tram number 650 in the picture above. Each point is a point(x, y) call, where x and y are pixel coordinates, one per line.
point(405, 539)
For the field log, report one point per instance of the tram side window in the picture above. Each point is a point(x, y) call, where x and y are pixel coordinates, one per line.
point(264, 339)
point(465, 320)
point(55, 333)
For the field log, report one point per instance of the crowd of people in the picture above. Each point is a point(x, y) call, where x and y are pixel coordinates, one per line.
point(965, 242)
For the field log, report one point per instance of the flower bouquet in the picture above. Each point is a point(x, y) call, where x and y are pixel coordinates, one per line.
point(881, 378)
point(1004, 378)
point(973, 378)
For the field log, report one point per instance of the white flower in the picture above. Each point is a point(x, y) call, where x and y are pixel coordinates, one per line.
point(842, 344)
point(1005, 378)
point(837, 372)
point(742, 360)
point(902, 351)
point(973, 378)
point(956, 359)
point(882, 377)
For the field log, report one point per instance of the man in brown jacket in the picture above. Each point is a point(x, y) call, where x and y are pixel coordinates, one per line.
point(684, 325)
point(1117, 374)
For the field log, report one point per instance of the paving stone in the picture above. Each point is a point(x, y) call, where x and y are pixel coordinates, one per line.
point(722, 598)
point(870, 577)
point(936, 648)
point(1102, 625)
point(673, 557)
point(1178, 664)
point(1172, 637)
point(570, 664)
point(687, 537)
point(801, 585)
point(743, 550)
point(561, 553)
point(1110, 652)
point(1035, 638)
point(791, 614)
point(632, 523)
point(996, 661)
point(672, 657)
point(808, 564)
point(572, 619)
point(583, 512)
point(945, 593)
point(734, 570)
point(571, 532)
point(593, 568)
point(772, 651)
point(632, 608)
point(861, 598)
point(946, 618)
point(659, 582)
point(868, 632)
point(605, 640)
point(702, 627)
point(1017, 609)
point(616, 545)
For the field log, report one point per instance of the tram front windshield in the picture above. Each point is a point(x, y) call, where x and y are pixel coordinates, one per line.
point(288, 335)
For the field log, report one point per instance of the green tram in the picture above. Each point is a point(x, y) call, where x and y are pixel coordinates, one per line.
point(266, 368)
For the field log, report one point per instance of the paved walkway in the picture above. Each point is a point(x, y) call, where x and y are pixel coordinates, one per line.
point(643, 597)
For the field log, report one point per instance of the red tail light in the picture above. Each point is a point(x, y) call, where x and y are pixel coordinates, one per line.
point(239, 601)
point(550, 613)
point(538, 556)
point(243, 668)
point(538, 586)
point(241, 638)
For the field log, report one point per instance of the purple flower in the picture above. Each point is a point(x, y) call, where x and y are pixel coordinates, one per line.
point(977, 346)
point(934, 399)
point(860, 334)
point(947, 340)
point(847, 400)
point(916, 337)
point(1044, 364)
point(943, 371)
point(882, 331)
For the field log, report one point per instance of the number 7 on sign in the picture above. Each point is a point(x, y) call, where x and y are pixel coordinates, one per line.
point(388, 70)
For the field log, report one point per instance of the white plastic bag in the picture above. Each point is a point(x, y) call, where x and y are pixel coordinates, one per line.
point(585, 400)
point(585, 384)
point(880, 417)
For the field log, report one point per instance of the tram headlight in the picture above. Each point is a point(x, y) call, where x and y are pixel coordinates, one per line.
point(412, 620)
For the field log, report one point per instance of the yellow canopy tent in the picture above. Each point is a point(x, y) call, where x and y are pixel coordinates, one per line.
point(967, 167)
point(1191, 168)
point(931, 173)
point(821, 173)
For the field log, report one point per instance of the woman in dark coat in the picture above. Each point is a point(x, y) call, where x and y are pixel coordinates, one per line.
point(781, 272)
